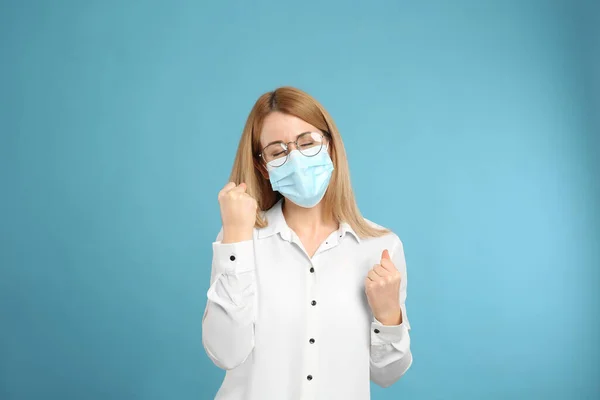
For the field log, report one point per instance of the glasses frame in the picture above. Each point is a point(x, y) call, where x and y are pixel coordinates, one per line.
point(324, 135)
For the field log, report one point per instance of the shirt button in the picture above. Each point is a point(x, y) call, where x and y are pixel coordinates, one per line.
point(309, 377)
point(312, 270)
point(232, 258)
point(376, 330)
point(311, 341)
point(314, 303)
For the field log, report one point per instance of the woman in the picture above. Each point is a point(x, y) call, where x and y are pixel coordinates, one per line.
point(307, 298)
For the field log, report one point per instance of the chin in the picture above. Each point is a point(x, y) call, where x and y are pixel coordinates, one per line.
point(303, 206)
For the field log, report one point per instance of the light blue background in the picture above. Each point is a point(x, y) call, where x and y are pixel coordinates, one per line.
point(472, 130)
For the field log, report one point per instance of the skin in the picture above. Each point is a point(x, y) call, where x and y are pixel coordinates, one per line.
point(311, 225)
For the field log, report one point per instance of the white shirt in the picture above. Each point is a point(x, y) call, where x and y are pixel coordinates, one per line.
point(285, 326)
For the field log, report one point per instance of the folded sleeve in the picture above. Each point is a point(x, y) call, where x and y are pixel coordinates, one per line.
point(229, 316)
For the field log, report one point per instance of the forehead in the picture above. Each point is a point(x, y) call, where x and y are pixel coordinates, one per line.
point(285, 127)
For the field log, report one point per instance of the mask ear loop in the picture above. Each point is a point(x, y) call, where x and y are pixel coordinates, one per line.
point(326, 145)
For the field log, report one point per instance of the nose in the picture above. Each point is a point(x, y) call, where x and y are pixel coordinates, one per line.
point(289, 146)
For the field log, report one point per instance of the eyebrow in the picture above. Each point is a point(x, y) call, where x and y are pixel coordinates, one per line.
point(281, 141)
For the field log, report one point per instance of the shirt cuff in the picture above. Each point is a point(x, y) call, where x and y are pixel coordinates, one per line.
point(388, 334)
point(233, 258)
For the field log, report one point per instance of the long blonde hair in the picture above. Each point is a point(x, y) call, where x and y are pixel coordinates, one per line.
point(339, 198)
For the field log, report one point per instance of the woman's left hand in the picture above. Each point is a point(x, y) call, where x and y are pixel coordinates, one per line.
point(382, 286)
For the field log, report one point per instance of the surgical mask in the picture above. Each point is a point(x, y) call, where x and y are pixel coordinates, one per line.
point(302, 179)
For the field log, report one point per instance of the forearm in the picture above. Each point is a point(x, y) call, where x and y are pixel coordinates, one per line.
point(228, 332)
point(390, 352)
point(228, 322)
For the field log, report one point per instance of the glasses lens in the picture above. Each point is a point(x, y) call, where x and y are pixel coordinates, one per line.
point(310, 143)
point(275, 154)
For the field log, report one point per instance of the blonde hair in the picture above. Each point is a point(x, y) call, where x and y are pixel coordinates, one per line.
point(339, 198)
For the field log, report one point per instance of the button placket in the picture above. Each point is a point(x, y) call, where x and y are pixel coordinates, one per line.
point(311, 376)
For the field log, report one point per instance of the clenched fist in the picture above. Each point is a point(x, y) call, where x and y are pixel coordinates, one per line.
point(238, 213)
point(382, 286)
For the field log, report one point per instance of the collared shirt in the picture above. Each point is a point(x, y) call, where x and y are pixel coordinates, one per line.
point(286, 326)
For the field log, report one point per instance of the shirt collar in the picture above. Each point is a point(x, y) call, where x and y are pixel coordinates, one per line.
point(346, 228)
point(277, 224)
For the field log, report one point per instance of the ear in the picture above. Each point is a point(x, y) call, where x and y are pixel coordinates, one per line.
point(329, 144)
point(264, 173)
point(260, 166)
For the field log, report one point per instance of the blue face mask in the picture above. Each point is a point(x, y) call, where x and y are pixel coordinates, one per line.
point(302, 179)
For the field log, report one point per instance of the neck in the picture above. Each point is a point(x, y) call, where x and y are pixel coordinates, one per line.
point(308, 221)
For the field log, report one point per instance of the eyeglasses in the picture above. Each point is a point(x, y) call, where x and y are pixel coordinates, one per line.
point(309, 144)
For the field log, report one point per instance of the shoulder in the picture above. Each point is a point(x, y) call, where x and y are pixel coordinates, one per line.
point(389, 239)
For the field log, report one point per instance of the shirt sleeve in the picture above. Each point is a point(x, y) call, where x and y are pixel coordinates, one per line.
point(390, 344)
point(229, 316)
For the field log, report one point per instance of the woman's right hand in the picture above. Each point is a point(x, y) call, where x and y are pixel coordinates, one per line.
point(238, 213)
